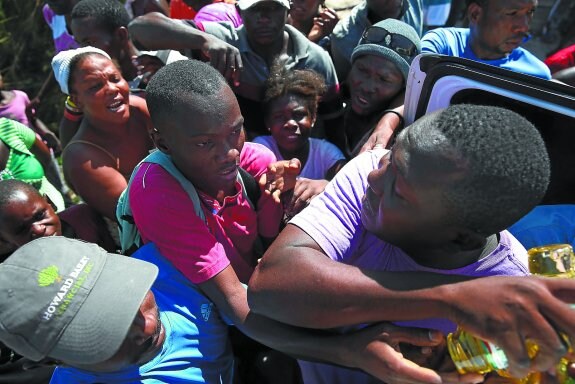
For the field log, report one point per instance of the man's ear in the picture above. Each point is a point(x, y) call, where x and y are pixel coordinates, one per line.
point(45, 362)
point(122, 34)
point(467, 240)
point(474, 12)
point(159, 141)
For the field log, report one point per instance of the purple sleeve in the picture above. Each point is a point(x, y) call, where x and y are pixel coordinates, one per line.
point(333, 217)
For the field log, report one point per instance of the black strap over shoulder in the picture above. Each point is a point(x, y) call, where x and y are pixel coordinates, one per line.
point(252, 187)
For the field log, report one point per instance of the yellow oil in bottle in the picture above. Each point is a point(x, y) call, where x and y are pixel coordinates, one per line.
point(554, 260)
point(473, 355)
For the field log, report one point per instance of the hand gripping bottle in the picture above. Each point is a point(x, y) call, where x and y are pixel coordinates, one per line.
point(473, 355)
point(555, 260)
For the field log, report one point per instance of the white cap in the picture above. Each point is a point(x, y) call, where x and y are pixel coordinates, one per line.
point(61, 64)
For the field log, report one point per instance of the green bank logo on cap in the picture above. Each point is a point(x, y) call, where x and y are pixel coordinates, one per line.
point(70, 285)
point(49, 276)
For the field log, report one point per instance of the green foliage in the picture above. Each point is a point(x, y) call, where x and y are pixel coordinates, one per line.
point(26, 50)
point(48, 276)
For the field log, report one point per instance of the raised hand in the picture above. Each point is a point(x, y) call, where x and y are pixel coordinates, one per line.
point(224, 57)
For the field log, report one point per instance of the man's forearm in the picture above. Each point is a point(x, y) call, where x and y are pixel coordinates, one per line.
point(156, 31)
point(326, 294)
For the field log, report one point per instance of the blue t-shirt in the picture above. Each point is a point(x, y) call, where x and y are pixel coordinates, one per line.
point(455, 42)
point(196, 349)
point(546, 224)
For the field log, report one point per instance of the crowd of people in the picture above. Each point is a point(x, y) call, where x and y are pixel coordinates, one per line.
point(249, 207)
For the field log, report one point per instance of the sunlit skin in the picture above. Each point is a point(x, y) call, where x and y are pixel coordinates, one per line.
point(374, 82)
point(207, 151)
point(143, 341)
point(27, 217)
point(290, 121)
point(403, 204)
point(265, 24)
point(499, 26)
point(98, 88)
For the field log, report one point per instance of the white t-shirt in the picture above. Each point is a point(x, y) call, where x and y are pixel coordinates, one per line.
point(322, 156)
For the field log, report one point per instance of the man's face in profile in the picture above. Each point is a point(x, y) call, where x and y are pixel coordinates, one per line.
point(143, 341)
point(404, 203)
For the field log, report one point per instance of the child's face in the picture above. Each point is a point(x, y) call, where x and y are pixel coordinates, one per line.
point(205, 144)
point(374, 81)
point(27, 217)
point(290, 122)
point(404, 203)
point(98, 88)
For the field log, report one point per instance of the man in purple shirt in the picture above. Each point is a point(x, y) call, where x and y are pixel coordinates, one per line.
point(394, 225)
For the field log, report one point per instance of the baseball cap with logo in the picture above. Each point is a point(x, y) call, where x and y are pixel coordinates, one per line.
point(70, 300)
point(246, 4)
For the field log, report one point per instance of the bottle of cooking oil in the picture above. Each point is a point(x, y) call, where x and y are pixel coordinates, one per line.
point(554, 260)
point(472, 355)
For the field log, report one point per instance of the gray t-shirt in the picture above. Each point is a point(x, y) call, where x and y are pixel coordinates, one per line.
point(305, 55)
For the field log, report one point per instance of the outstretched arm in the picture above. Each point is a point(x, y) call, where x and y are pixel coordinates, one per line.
point(373, 349)
point(325, 293)
point(157, 31)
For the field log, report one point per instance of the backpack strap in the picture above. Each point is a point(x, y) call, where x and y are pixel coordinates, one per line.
point(250, 186)
point(252, 192)
point(130, 239)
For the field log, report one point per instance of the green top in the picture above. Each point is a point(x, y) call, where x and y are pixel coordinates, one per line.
point(22, 164)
